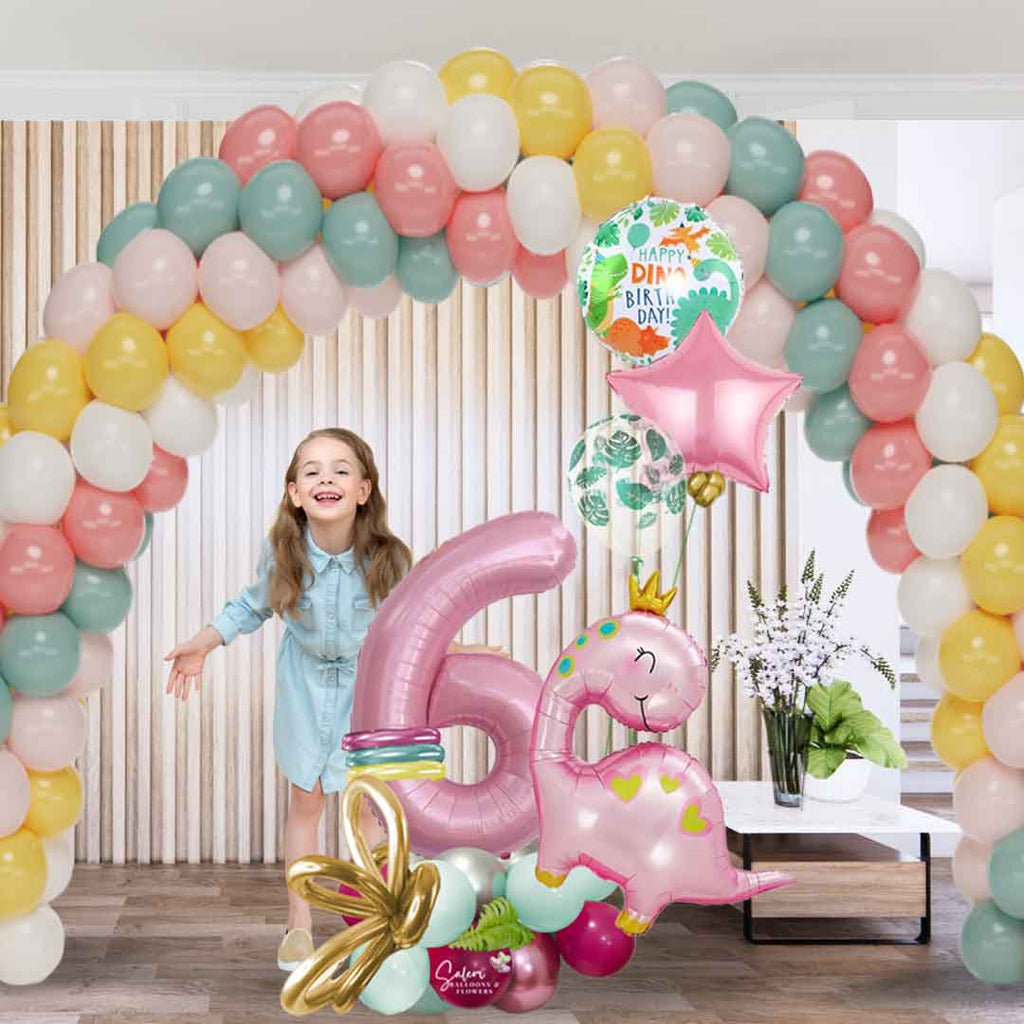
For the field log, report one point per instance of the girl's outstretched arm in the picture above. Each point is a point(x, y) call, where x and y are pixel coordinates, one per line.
point(187, 661)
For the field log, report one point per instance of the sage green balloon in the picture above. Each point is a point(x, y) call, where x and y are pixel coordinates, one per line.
point(147, 538)
point(360, 244)
point(123, 228)
point(6, 708)
point(700, 98)
point(99, 598)
point(198, 201)
point(822, 343)
point(766, 165)
point(1006, 874)
point(281, 210)
point(834, 425)
point(805, 251)
point(425, 270)
point(848, 481)
point(992, 945)
point(39, 654)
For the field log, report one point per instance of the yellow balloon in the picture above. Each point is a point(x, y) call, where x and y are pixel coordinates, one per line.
point(613, 169)
point(978, 654)
point(126, 362)
point(56, 801)
point(479, 70)
point(206, 355)
point(1001, 368)
point(47, 390)
point(552, 106)
point(993, 566)
point(276, 344)
point(1000, 467)
point(6, 424)
point(957, 734)
point(22, 873)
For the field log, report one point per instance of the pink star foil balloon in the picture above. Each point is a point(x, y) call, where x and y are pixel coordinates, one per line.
point(714, 404)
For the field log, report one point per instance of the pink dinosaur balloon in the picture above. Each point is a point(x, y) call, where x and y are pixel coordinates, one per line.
point(648, 818)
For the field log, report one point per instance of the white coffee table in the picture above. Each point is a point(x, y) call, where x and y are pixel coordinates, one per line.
point(840, 871)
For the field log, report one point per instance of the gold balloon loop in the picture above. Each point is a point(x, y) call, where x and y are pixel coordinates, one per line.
point(706, 488)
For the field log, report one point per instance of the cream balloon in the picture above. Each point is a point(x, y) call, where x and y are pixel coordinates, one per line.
point(47, 733)
point(762, 325)
point(970, 869)
point(988, 800)
point(902, 227)
point(943, 316)
point(37, 478)
point(95, 665)
point(15, 793)
point(945, 510)
point(480, 141)
point(926, 661)
point(574, 251)
point(60, 863)
point(1003, 722)
point(313, 297)
point(959, 414)
point(379, 301)
point(111, 447)
point(747, 229)
point(338, 93)
point(543, 204)
point(407, 100)
point(243, 392)
point(31, 946)
point(932, 595)
point(183, 423)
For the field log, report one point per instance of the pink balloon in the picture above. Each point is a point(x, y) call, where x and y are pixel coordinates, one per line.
point(762, 325)
point(835, 182)
point(534, 976)
point(165, 483)
point(47, 733)
point(379, 301)
point(95, 665)
point(888, 463)
point(259, 137)
point(79, 304)
point(541, 277)
point(414, 188)
point(1003, 721)
point(105, 528)
point(625, 94)
point(888, 540)
point(593, 945)
point(481, 242)
point(312, 295)
point(238, 281)
point(689, 158)
point(406, 678)
point(970, 869)
point(155, 277)
point(747, 229)
point(37, 568)
point(890, 374)
point(988, 800)
point(339, 145)
point(15, 793)
point(878, 273)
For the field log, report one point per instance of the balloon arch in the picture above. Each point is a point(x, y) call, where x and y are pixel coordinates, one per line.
point(479, 171)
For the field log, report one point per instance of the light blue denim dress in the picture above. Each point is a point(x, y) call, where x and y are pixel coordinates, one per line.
point(316, 665)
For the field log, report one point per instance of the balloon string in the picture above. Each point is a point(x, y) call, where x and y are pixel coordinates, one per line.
point(682, 550)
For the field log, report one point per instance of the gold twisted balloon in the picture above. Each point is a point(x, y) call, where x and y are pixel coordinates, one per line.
point(706, 488)
point(394, 912)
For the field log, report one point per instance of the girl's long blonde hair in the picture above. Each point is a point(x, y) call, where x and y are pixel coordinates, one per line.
point(380, 556)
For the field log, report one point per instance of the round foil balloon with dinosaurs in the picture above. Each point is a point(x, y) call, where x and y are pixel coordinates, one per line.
point(651, 270)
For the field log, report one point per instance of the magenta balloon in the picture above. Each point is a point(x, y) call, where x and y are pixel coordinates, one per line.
point(406, 677)
point(592, 944)
point(534, 976)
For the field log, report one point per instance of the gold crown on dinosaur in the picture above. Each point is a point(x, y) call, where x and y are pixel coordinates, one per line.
point(649, 599)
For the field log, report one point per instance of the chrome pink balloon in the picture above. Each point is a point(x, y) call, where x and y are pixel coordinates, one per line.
point(713, 403)
point(535, 971)
point(407, 678)
point(79, 304)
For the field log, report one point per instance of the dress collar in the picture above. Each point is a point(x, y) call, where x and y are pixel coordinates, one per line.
point(320, 559)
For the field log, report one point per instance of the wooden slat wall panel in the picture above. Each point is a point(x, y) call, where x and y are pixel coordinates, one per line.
point(471, 408)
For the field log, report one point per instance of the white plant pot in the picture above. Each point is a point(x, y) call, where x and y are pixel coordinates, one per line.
point(845, 784)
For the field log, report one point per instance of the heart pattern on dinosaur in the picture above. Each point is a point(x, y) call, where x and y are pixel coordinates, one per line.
point(626, 788)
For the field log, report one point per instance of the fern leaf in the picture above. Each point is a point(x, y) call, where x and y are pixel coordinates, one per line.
point(498, 927)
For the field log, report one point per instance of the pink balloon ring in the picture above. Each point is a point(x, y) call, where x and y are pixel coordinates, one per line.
point(389, 738)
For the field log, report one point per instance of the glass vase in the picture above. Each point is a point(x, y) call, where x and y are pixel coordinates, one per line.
point(789, 734)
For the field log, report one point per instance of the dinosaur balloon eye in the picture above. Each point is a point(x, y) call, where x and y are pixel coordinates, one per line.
point(566, 666)
point(608, 629)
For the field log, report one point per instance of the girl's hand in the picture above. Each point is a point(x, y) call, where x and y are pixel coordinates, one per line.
point(497, 651)
point(187, 661)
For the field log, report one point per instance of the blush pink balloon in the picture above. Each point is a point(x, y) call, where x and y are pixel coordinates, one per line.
point(481, 241)
point(339, 145)
point(762, 325)
point(79, 304)
point(747, 229)
point(47, 733)
point(988, 800)
point(105, 528)
point(625, 94)
point(878, 273)
point(238, 281)
point(379, 301)
point(593, 944)
point(534, 976)
point(835, 182)
point(259, 137)
point(1003, 722)
point(414, 188)
point(95, 665)
point(689, 158)
point(890, 374)
point(165, 483)
point(312, 295)
point(888, 540)
point(155, 277)
point(15, 793)
point(541, 277)
point(888, 464)
point(37, 569)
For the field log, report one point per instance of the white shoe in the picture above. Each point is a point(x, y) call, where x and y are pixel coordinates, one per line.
point(296, 946)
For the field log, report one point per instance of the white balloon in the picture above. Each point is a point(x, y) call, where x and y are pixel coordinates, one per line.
point(244, 391)
point(944, 317)
point(36, 479)
point(544, 205)
point(339, 93)
point(926, 659)
point(379, 301)
point(945, 510)
point(407, 100)
point(970, 869)
point(574, 251)
point(480, 141)
point(932, 595)
point(31, 946)
point(111, 447)
point(60, 863)
point(959, 414)
point(183, 423)
point(902, 227)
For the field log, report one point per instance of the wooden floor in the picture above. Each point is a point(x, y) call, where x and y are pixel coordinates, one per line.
point(195, 945)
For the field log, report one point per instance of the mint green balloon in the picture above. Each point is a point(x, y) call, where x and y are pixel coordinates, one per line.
point(992, 945)
point(700, 98)
point(361, 245)
point(848, 482)
point(123, 228)
point(834, 425)
point(805, 251)
point(147, 538)
point(589, 885)
point(454, 910)
point(281, 210)
point(425, 270)
point(6, 707)
point(39, 654)
point(766, 165)
point(1006, 874)
point(823, 342)
point(541, 908)
point(198, 201)
point(99, 598)
point(399, 984)
point(430, 1003)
